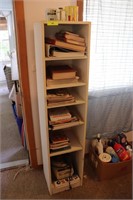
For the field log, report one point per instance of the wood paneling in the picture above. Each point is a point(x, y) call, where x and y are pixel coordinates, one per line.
point(80, 5)
point(24, 78)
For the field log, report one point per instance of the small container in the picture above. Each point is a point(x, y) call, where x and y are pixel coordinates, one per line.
point(61, 14)
point(51, 15)
point(99, 145)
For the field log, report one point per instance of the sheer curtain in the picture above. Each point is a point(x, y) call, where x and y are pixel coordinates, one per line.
point(111, 65)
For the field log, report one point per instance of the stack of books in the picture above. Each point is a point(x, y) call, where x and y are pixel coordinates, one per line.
point(55, 97)
point(59, 117)
point(65, 44)
point(59, 141)
point(61, 74)
point(62, 167)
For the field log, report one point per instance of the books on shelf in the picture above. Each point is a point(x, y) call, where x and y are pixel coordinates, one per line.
point(52, 50)
point(60, 117)
point(59, 141)
point(62, 72)
point(62, 166)
point(63, 121)
point(66, 54)
point(59, 114)
point(51, 82)
point(70, 41)
point(58, 137)
point(70, 36)
point(54, 97)
point(66, 45)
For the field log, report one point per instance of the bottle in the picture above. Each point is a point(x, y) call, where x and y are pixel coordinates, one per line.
point(129, 150)
point(99, 145)
point(121, 152)
point(113, 154)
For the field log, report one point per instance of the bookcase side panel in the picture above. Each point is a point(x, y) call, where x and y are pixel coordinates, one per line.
point(40, 74)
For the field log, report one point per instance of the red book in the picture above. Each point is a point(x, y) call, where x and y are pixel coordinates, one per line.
point(58, 138)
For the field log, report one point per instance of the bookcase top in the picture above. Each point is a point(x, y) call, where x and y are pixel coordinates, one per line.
point(65, 22)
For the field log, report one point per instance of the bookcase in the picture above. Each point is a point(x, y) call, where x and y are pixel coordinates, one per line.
point(76, 130)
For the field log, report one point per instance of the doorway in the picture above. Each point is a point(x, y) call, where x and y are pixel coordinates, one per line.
point(13, 142)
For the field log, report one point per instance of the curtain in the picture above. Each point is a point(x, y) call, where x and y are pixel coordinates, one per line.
point(111, 65)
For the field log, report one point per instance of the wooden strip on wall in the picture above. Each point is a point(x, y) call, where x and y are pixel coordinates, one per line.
point(80, 5)
point(18, 7)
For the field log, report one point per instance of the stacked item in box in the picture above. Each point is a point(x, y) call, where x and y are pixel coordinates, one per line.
point(114, 149)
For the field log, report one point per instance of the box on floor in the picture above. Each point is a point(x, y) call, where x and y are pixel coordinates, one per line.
point(107, 171)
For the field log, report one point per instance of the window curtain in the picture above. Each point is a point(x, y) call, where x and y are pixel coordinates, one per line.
point(111, 65)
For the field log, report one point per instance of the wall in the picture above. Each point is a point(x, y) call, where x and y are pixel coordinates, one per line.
point(6, 4)
point(35, 10)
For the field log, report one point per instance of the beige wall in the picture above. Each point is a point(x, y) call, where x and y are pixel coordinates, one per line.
point(35, 10)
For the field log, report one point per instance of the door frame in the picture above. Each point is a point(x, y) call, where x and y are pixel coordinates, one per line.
point(21, 48)
point(80, 12)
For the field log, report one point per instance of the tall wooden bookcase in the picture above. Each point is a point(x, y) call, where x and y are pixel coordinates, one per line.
point(80, 89)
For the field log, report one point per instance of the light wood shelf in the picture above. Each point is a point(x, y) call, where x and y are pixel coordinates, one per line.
point(78, 133)
point(61, 58)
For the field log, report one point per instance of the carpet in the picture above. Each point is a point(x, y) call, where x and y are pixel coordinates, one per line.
point(31, 184)
point(11, 148)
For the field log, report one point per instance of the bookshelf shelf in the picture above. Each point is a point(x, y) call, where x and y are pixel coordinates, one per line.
point(77, 102)
point(75, 146)
point(77, 89)
point(68, 125)
point(61, 58)
point(68, 85)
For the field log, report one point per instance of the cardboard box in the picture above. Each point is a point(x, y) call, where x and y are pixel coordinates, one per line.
point(107, 171)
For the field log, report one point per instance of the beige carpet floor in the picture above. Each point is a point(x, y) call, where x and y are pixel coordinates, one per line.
point(31, 185)
point(11, 148)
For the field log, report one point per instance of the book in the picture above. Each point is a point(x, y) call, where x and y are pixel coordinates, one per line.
point(61, 149)
point(60, 144)
point(66, 54)
point(62, 121)
point(59, 114)
point(70, 36)
point(58, 137)
point(51, 82)
point(70, 40)
point(55, 97)
point(52, 50)
point(62, 72)
point(58, 94)
point(66, 45)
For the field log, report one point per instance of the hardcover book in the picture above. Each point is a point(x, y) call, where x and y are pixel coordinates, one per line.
point(59, 114)
point(70, 41)
point(52, 50)
point(56, 53)
point(70, 36)
point(66, 45)
point(58, 137)
point(62, 72)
